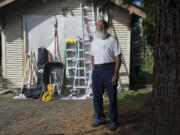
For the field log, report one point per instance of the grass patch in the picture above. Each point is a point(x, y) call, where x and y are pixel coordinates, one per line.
point(148, 65)
point(144, 76)
point(138, 100)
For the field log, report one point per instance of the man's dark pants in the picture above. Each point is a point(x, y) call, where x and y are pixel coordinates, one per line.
point(101, 78)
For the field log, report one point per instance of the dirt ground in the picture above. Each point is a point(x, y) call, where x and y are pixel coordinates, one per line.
point(64, 117)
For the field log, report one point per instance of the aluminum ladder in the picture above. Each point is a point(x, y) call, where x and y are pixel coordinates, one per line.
point(80, 77)
point(88, 34)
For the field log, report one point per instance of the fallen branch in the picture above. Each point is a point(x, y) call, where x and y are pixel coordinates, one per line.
point(5, 92)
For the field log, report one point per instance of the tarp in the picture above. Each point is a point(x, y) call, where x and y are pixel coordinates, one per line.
point(39, 31)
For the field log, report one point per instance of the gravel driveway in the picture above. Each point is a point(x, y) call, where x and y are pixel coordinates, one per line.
point(61, 117)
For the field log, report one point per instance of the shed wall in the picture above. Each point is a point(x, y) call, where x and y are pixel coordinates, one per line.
point(12, 35)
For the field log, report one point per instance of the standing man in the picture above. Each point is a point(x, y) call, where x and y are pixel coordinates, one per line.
point(105, 52)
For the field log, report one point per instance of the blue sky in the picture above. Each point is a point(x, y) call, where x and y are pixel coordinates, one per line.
point(138, 3)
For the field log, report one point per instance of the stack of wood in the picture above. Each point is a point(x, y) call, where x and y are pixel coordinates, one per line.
point(30, 72)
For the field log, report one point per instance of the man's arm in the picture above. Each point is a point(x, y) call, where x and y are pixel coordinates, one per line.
point(92, 60)
point(117, 67)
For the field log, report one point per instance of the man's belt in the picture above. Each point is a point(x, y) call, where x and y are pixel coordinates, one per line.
point(105, 64)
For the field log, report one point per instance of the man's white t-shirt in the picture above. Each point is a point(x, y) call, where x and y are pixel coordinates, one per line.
point(105, 51)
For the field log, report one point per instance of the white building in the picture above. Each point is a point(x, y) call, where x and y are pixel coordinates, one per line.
point(13, 43)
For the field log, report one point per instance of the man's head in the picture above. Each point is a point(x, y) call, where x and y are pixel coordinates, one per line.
point(102, 26)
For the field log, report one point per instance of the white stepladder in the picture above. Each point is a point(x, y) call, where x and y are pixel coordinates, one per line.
point(88, 34)
point(80, 77)
point(70, 64)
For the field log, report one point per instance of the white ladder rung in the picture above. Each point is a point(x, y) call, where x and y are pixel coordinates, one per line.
point(80, 59)
point(81, 68)
point(89, 25)
point(71, 67)
point(90, 34)
point(69, 76)
point(87, 72)
point(81, 50)
point(74, 58)
point(89, 17)
point(80, 87)
point(87, 62)
point(80, 77)
point(86, 7)
point(87, 42)
point(87, 52)
point(80, 40)
point(69, 86)
point(70, 50)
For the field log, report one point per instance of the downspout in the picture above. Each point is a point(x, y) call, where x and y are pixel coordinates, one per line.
point(3, 49)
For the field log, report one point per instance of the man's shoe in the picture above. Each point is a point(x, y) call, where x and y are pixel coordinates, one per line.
point(97, 123)
point(113, 126)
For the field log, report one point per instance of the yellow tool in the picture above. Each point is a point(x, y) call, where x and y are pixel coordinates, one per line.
point(47, 96)
point(71, 41)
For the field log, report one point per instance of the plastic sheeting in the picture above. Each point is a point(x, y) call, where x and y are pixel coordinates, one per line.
point(39, 31)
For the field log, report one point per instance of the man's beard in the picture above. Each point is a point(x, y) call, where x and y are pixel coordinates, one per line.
point(101, 34)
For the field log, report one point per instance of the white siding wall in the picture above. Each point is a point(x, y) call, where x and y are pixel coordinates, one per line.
point(12, 58)
point(121, 29)
point(12, 35)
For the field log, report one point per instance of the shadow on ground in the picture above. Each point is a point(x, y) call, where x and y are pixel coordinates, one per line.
point(141, 80)
point(134, 114)
point(74, 117)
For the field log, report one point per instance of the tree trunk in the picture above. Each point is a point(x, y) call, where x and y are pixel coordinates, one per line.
point(166, 84)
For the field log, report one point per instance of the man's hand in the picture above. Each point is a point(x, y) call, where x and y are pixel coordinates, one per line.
point(114, 80)
point(116, 73)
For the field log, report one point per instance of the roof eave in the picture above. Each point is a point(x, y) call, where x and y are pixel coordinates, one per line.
point(131, 8)
point(5, 2)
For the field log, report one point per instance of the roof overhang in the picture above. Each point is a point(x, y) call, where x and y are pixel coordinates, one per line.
point(133, 9)
point(5, 2)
